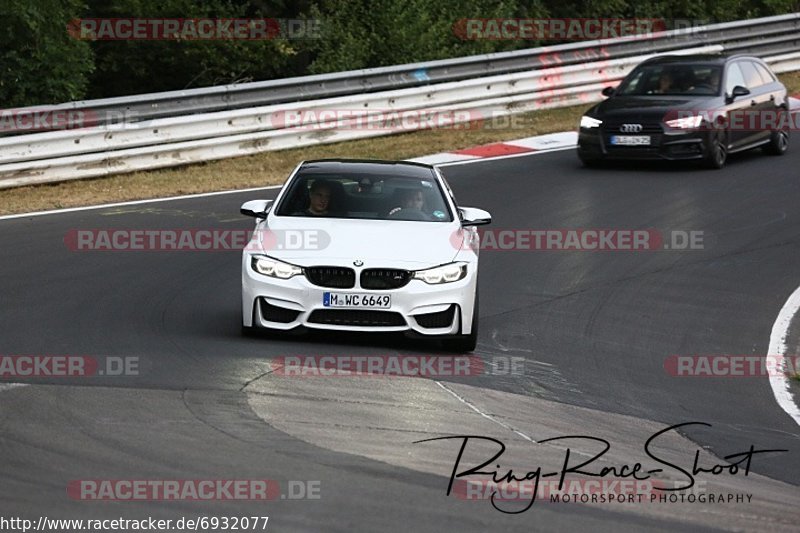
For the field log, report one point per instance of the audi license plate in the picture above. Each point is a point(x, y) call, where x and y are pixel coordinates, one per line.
point(630, 140)
point(357, 300)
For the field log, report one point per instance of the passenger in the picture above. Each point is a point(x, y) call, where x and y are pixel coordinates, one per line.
point(319, 199)
point(364, 185)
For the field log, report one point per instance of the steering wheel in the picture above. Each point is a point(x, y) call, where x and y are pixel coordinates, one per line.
point(408, 213)
point(704, 87)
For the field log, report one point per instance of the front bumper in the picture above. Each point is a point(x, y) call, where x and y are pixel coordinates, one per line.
point(665, 144)
point(418, 307)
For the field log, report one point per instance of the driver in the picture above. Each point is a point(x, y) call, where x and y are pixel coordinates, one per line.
point(319, 199)
point(412, 199)
point(666, 82)
point(710, 82)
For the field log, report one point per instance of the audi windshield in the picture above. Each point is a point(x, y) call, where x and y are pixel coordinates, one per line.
point(672, 80)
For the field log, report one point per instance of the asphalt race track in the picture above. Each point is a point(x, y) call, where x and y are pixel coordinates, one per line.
point(594, 329)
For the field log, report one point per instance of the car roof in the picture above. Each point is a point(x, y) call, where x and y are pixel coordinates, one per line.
point(706, 59)
point(372, 167)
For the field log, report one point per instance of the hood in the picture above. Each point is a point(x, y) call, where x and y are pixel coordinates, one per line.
point(378, 243)
point(647, 107)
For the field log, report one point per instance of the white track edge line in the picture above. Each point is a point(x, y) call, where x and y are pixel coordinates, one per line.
point(777, 346)
point(9, 386)
point(507, 156)
point(499, 422)
point(485, 415)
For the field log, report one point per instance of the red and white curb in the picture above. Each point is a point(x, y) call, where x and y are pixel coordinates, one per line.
point(540, 143)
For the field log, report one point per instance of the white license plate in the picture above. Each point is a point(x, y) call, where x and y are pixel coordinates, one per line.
point(357, 300)
point(631, 140)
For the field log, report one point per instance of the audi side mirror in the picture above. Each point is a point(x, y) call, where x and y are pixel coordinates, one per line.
point(738, 92)
point(608, 91)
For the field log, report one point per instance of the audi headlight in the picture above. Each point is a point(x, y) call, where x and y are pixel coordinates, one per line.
point(442, 274)
point(685, 123)
point(590, 122)
point(274, 268)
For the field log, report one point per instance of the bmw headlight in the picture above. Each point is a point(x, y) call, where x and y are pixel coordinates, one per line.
point(442, 274)
point(590, 122)
point(274, 268)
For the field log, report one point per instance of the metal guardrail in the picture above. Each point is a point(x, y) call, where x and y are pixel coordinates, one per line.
point(181, 127)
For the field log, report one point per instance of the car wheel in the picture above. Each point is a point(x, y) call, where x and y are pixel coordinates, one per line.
point(778, 142)
point(465, 343)
point(717, 153)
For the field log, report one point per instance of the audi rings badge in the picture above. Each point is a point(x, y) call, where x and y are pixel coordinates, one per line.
point(630, 128)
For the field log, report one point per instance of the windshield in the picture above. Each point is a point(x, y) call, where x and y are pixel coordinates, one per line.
point(366, 197)
point(671, 79)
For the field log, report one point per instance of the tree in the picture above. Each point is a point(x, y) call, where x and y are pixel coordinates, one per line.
point(371, 33)
point(138, 66)
point(40, 63)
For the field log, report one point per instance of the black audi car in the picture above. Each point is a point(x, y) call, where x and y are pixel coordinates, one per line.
point(701, 107)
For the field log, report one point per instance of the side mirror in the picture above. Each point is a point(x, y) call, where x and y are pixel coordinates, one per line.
point(608, 91)
point(739, 91)
point(472, 216)
point(256, 208)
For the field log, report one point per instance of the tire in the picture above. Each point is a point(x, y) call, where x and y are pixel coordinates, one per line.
point(717, 154)
point(465, 343)
point(778, 143)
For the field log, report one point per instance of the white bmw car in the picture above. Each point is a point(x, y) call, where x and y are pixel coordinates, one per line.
point(364, 246)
